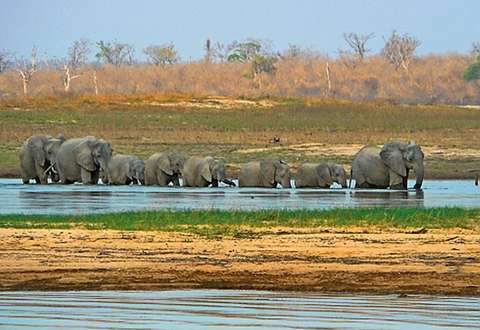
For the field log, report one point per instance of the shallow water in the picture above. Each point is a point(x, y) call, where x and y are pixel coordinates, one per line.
point(18, 198)
point(226, 309)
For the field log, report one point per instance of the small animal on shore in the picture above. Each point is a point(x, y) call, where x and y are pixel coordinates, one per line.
point(320, 175)
point(163, 168)
point(204, 171)
point(266, 173)
point(389, 166)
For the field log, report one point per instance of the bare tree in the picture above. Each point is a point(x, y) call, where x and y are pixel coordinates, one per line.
point(476, 49)
point(399, 50)
point(78, 53)
point(115, 53)
point(26, 69)
point(5, 61)
point(162, 54)
point(358, 43)
point(68, 77)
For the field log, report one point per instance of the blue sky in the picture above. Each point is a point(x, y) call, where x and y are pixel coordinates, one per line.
point(52, 25)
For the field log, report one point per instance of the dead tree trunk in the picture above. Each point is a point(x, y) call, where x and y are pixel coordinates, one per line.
point(329, 82)
point(67, 78)
point(95, 83)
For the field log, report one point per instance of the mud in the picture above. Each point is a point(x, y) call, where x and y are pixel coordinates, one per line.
point(353, 260)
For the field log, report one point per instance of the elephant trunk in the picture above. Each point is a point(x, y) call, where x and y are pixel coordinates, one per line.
point(419, 172)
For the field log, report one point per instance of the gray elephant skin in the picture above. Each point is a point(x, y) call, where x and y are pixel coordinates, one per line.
point(265, 173)
point(204, 171)
point(38, 158)
point(388, 167)
point(320, 175)
point(124, 170)
point(82, 159)
point(164, 168)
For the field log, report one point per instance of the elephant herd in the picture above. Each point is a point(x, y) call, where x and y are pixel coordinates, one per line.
point(90, 159)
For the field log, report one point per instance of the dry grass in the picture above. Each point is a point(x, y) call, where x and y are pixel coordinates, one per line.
point(240, 129)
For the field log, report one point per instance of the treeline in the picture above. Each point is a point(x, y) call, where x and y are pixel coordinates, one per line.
point(252, 68)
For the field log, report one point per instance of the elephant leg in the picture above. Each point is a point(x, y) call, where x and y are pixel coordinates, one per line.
point(41, 175)
point(86, 176)
point(95, 176)
point(37, 180)
point(134, 181)
point(128, 181)
point(176, 181)
point(397, 182)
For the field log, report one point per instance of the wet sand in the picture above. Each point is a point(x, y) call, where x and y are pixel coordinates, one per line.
point(354, 260)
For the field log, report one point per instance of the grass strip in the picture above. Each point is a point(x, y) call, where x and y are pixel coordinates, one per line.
point(214, 223)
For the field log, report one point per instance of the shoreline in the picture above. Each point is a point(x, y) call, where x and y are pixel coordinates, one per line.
point(329, 260)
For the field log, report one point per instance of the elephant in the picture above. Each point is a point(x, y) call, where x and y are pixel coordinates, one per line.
point(125, 169)
point(389, 166)
point(265, 173)
point(82, 159)
point(38, 158)
point(204, 171)
point(164, 167)
point(320, 175)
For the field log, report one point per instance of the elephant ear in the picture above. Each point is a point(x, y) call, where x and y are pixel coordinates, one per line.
point(325, 174)
point(392, 156)
point(165, 166)
point(37, 152)
point(83, 156)
point(205, 171)
point(267, 171)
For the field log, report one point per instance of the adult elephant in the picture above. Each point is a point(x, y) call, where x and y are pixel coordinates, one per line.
point(265, 173)
point(164, 167)
point(320, 175)
point(82, 159)
point(125, 169)
point(204, 171)
point(375, 167)
point(38, 158)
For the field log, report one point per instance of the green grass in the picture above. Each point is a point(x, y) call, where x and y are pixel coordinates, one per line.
point(214, 223)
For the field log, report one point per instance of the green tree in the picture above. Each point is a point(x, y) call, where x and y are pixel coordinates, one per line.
point(114, 53)
point(472, 72)
point(162, 54)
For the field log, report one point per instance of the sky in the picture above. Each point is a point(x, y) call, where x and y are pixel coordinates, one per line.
point(52, 25)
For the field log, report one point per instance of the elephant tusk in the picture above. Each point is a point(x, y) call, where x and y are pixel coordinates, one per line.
point(51, 167)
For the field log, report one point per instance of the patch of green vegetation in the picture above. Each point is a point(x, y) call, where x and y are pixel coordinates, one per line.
point(215, 223)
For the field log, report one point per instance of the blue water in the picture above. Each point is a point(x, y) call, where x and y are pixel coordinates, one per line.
point(227, 309)
point(18, 198)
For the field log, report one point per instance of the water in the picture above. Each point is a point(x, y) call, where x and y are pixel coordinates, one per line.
point(18, 198)
point(227, 309)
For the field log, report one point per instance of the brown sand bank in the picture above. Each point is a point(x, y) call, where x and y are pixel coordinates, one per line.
point(327, 260)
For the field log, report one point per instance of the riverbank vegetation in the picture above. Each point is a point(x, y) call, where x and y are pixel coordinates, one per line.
point(217, 223)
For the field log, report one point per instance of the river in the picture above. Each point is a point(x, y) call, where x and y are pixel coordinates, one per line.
point(73, 199)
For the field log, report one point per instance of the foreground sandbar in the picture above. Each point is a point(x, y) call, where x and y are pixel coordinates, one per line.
point(440, 261)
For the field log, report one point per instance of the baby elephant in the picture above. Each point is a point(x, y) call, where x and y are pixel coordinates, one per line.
point(125, 169)
point(320, 175)
point(204, 171)
point(266, 173)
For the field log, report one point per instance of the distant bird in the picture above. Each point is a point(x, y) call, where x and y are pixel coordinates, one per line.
point(275, 140)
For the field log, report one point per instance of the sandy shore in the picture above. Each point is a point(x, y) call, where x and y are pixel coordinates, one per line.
point(327, 260)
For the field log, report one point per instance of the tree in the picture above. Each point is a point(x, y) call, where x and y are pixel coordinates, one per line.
point(78, 53)
point(358, 43)
point(5, 61)
point(26, 69)
point(162, 54)
point(472, 72)
point(399, 50)
point(245, 51)
point(215, 52)
point(114, 53)
point(476, 49)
